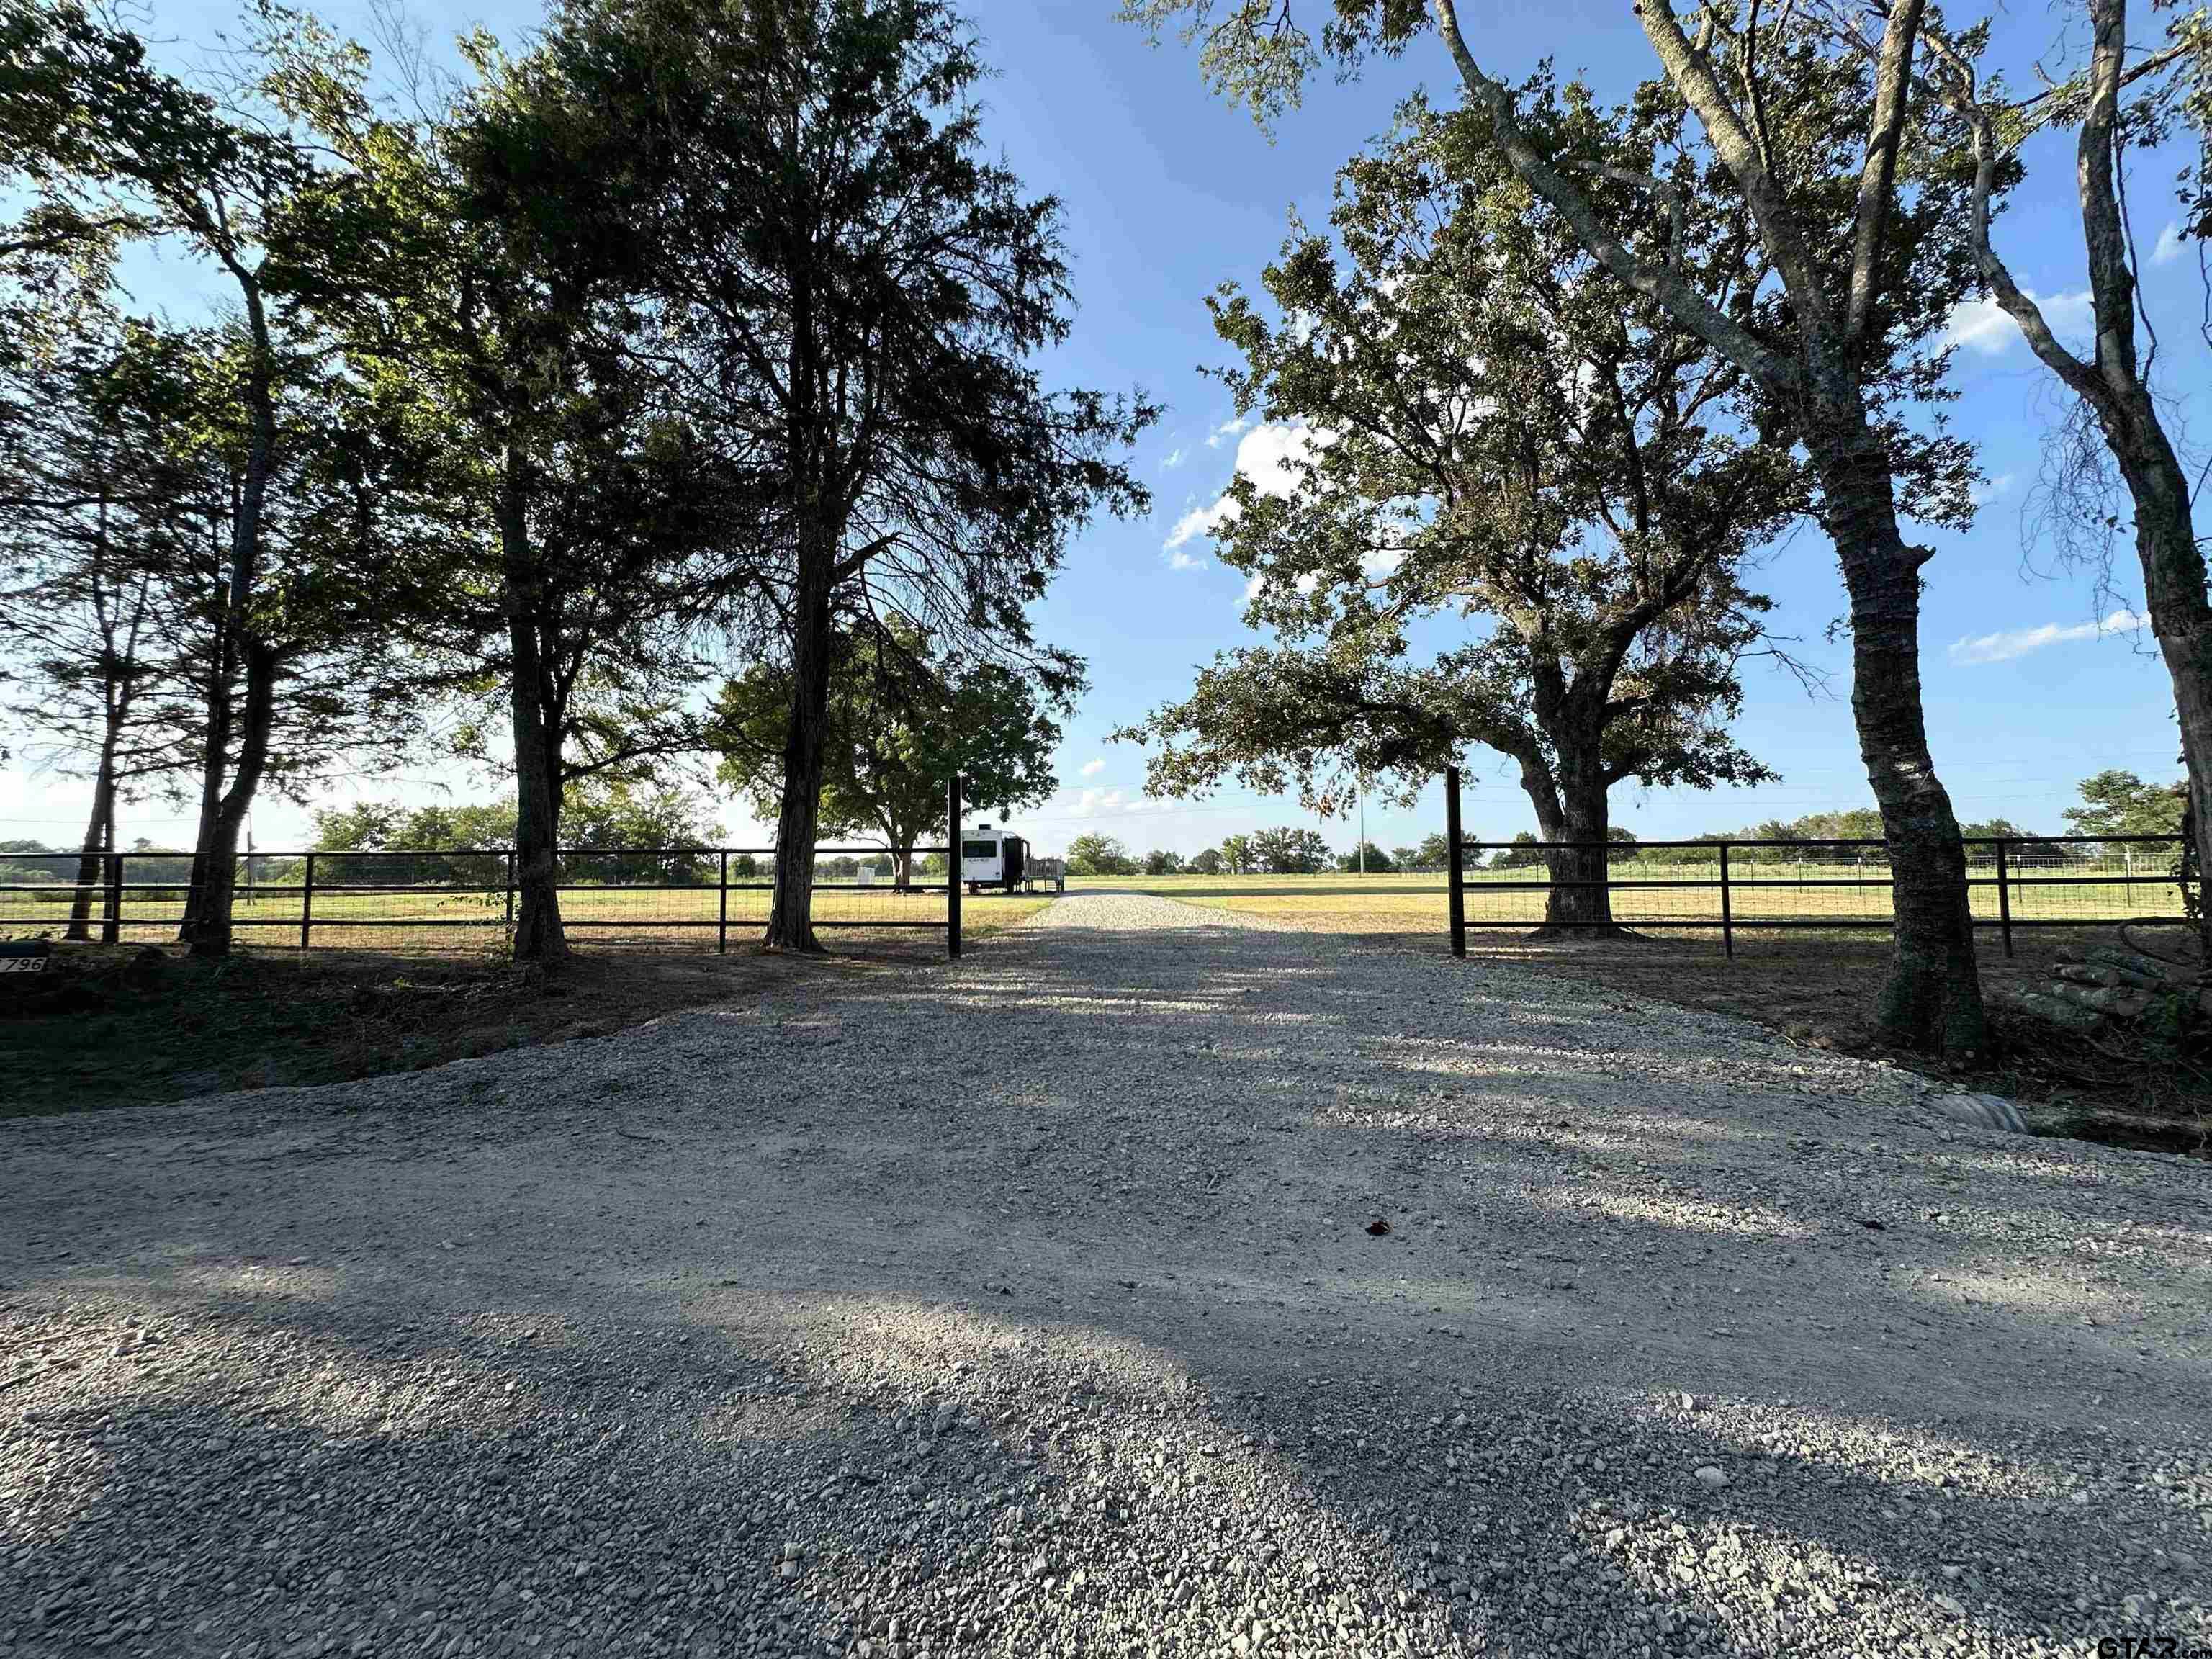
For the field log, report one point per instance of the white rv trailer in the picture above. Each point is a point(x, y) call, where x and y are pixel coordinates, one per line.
point(998, 858)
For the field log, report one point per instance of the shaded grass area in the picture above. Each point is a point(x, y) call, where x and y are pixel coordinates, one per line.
point(134, 1025)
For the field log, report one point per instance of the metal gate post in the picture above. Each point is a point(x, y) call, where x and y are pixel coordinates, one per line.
point(2004, 898)
point(111, 931)
point(952, 867)
point(1727, 911)
point(722, 916)
point(307, 901)
point(1457, 878)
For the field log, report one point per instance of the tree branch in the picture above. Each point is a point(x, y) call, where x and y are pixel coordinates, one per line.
point(1670, 288)
point(1878, 173)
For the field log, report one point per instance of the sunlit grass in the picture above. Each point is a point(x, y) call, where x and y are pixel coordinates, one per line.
point(1392, 902)
point(405, 920)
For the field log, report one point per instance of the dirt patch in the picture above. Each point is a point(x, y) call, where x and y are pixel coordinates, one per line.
point(1817, 990)
point(135, 1025)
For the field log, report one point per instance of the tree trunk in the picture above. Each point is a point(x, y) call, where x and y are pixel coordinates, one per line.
point(99, 834)
point(1932, 1002)
point(215, 753)
point(111, 923)
point(213, 880)
point(2174, 593)
point(2166, 540)
point(1582, 820)
point(538, 935)
point(791, 912)
point(1571, 813)
point(216, 862)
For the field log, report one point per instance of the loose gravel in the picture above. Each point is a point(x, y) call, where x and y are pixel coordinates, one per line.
point(1152, 1282)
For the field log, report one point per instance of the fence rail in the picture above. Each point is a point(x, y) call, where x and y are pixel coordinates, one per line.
point(676, 892)
point(1724, 886)
point(322, 898)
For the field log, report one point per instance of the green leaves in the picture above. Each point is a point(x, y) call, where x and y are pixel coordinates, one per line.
point(2119, 803)
point(901, 720)
point(1477, 423)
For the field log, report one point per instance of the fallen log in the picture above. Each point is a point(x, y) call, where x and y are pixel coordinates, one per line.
point(2037, 1005)
point(2133, 966)
point(2122, 1002)
point(2079, 973)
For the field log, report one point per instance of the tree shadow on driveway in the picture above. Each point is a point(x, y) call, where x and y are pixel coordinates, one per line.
point(1111, 1203)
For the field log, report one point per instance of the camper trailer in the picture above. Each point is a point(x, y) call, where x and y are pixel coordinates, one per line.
point(998, 858)
point(992, 857)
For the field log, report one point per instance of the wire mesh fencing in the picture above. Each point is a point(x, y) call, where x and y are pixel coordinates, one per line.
point(465, 900)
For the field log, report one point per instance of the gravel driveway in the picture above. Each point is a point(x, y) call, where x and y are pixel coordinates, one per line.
point(1038, 1304)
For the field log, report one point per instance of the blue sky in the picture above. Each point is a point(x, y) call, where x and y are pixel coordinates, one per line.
point(1168, 192)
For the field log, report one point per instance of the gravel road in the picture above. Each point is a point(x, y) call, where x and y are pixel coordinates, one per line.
point(1037, 1304)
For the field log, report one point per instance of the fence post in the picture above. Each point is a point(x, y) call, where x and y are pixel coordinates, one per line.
point(510, 895)
point(722, 916)
point(952, 867)
point(307, 900)
point(111, 931)
point(2004, 898)
point(1728, 909)
point(1456, 880)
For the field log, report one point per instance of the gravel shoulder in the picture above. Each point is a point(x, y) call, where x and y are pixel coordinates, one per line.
point(1031, 1305)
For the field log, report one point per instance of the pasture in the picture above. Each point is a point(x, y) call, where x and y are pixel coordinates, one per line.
point(473, 920)
point(2040, 892)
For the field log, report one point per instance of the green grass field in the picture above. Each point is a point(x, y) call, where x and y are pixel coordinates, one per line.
point(1758, 892)
point(475, 922)
point(429, 920)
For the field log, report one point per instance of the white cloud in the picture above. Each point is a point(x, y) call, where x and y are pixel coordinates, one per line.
point(1983, 494)
point(1199, 521)
point(2019, 642)
point(2169, 243)
point(1175, 458)
point(1270, 455)
point(1104, 804)
point(1983, 327)
point(1091, 769)
point(1228, 429)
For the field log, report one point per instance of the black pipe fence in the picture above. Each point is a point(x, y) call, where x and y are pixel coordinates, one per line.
point(371, 899)
point(1726, 886)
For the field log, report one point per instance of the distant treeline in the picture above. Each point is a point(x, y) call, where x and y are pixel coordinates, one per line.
point(2113, 803)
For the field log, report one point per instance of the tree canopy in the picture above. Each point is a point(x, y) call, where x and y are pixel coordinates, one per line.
point(2119, 803)
point(1486, 426)
point(901, 721)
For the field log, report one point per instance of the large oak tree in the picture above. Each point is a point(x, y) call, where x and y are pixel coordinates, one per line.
point(1855, 196)
point(1492, 430)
